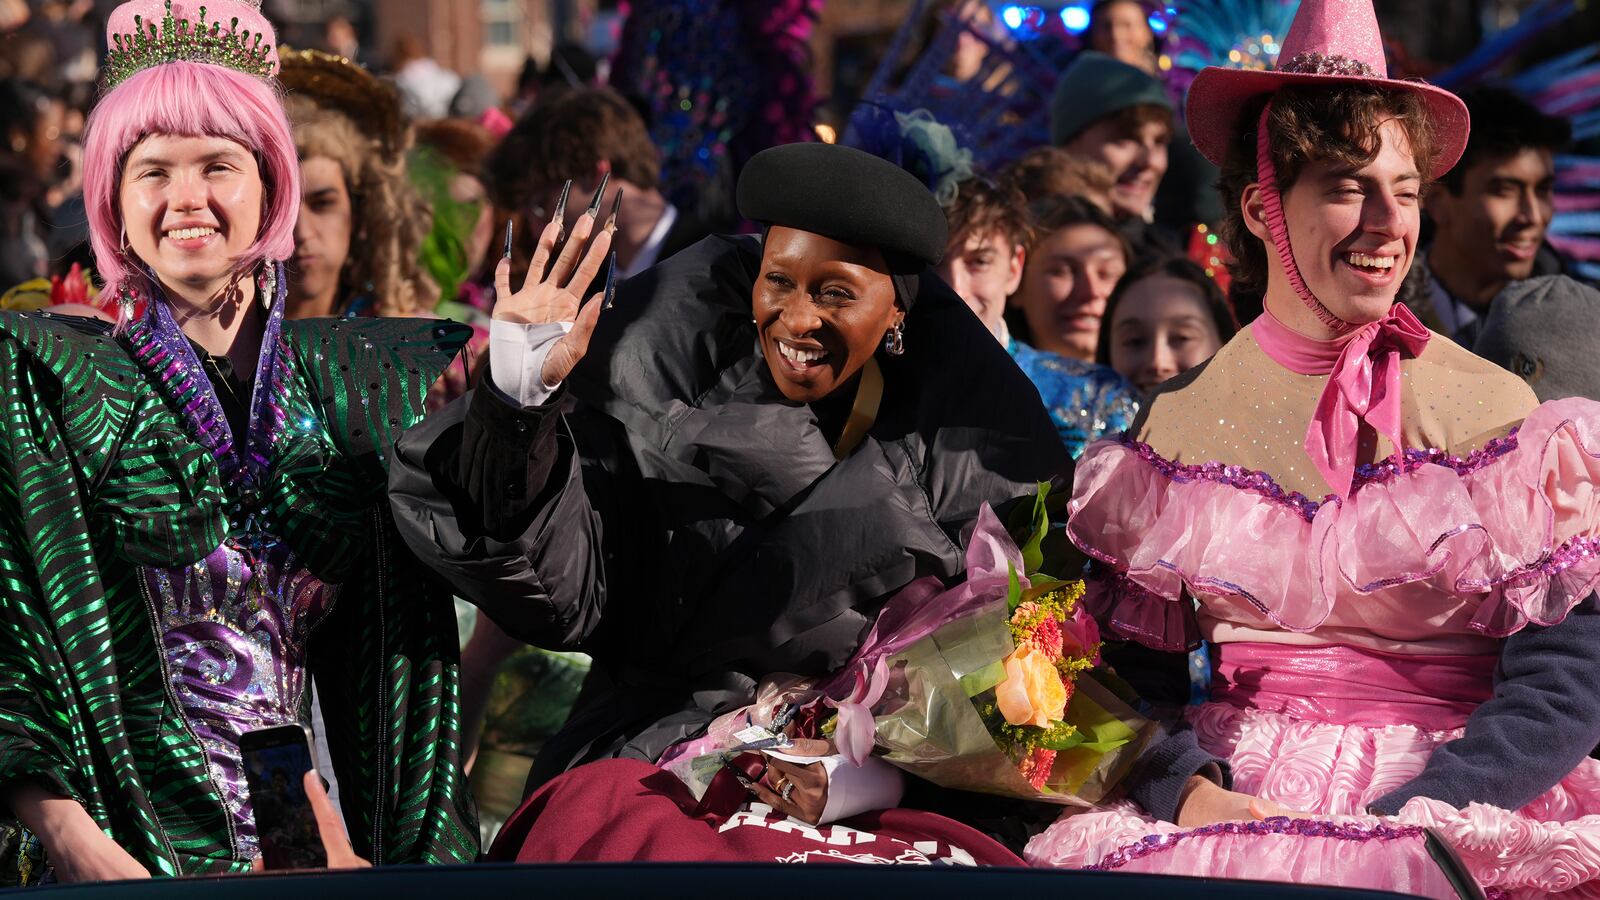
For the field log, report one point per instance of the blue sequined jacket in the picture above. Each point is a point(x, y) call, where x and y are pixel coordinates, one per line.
point(1085, 401)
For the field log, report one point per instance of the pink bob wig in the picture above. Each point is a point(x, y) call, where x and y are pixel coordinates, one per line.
point(190, 100)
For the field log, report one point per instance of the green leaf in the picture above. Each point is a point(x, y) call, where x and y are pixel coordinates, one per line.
point(1032, 556)
point(1013, 588)
point(1103, 746)
point(1042, 587)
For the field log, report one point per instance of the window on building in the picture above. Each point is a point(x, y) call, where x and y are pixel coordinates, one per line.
point(501, 21)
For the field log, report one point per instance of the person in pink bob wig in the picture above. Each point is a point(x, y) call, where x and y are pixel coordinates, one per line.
point(180, 591)
point(188, 99)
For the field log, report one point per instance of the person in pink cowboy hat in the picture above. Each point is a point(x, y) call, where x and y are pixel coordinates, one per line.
point(1391, 543)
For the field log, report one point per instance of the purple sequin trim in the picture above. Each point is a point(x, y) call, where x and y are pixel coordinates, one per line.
point(159, 344)
point(1384, 472)
point(1234, 476)
point(1412, 460)
point(1313, 63)
point(186, 386)
point(1574, 551)
point(1151, 844)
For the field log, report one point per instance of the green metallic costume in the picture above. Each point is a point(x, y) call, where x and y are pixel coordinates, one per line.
point(99, 476)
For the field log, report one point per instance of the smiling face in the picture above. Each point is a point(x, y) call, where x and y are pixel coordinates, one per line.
point(191, 207)
point(822, 309)
point(1491, 231)
point(1065, 286)
point(1354, 231)
point(321, 235)
point(1161, 328)
point(983, 269)
point(1134, 148)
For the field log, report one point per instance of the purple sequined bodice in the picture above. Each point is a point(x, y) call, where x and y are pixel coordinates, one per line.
point(234, 628)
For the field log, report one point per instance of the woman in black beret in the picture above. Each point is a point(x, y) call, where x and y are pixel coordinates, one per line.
point(765, 438)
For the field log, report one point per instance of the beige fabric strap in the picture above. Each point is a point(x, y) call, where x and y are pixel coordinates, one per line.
point(869, 397)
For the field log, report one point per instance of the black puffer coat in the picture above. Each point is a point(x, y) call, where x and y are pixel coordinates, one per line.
point(689, 527)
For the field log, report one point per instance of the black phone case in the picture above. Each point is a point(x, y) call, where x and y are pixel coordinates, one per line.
point(286, 828)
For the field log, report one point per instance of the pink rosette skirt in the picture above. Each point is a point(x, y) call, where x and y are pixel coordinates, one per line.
point(1315, 731)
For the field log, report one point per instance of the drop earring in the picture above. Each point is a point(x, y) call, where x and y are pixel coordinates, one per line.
point(894, 343)
point(125, 308)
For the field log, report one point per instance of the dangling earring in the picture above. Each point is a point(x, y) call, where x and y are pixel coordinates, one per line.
point(894, 343)
point(267, 287)
point(125, 302)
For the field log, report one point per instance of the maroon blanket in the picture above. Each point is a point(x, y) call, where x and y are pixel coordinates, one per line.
point(621, 810)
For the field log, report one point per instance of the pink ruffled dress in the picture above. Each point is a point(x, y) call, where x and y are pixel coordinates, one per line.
point(1356, 633)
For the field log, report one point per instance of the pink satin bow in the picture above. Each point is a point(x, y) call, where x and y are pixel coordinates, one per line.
point(1364, 385)
point(1364, 366)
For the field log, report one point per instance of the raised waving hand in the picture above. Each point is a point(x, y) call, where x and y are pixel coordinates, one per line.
point(563, 268)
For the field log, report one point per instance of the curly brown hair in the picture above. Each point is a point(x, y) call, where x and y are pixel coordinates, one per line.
point(1046, 171)
point(464, 144)
point(567, 137)
point(1343, 124)
point(389, 217)
point(983, 207)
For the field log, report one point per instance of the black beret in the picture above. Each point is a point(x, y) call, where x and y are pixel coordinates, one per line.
point(848, 195)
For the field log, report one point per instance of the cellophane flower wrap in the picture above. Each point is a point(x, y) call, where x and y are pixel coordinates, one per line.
point(991, 686)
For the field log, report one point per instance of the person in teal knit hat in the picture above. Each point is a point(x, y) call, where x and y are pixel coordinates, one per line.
point(1119, 116)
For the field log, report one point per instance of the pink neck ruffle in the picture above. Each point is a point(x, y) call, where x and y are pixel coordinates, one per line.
point(1364, 383)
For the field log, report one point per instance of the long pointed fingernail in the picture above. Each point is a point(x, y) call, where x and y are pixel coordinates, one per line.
point(611, 280)
point(611, 222)
point(510, 229)
point(599, 193)
point(560, 214)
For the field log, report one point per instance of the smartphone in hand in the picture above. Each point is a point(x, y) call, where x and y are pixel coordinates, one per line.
point(276, 761)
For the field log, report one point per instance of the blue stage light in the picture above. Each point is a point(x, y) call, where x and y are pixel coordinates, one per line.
point(1012, 16)
point(1158, 23)
point(1075, 18)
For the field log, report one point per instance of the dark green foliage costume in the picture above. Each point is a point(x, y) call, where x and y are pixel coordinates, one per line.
point(100, 476)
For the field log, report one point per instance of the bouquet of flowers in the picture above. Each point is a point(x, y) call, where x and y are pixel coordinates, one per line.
point(991, 686)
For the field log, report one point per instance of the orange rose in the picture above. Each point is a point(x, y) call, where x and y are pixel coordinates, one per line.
point(1032, 692)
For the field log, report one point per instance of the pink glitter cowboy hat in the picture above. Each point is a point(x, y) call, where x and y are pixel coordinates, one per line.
point(1331, 42)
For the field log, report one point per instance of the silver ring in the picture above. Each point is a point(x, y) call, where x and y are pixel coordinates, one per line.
point(788, 790)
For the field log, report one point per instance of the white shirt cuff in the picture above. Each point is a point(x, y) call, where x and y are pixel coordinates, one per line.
point(852, 791)
point(516, 359)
